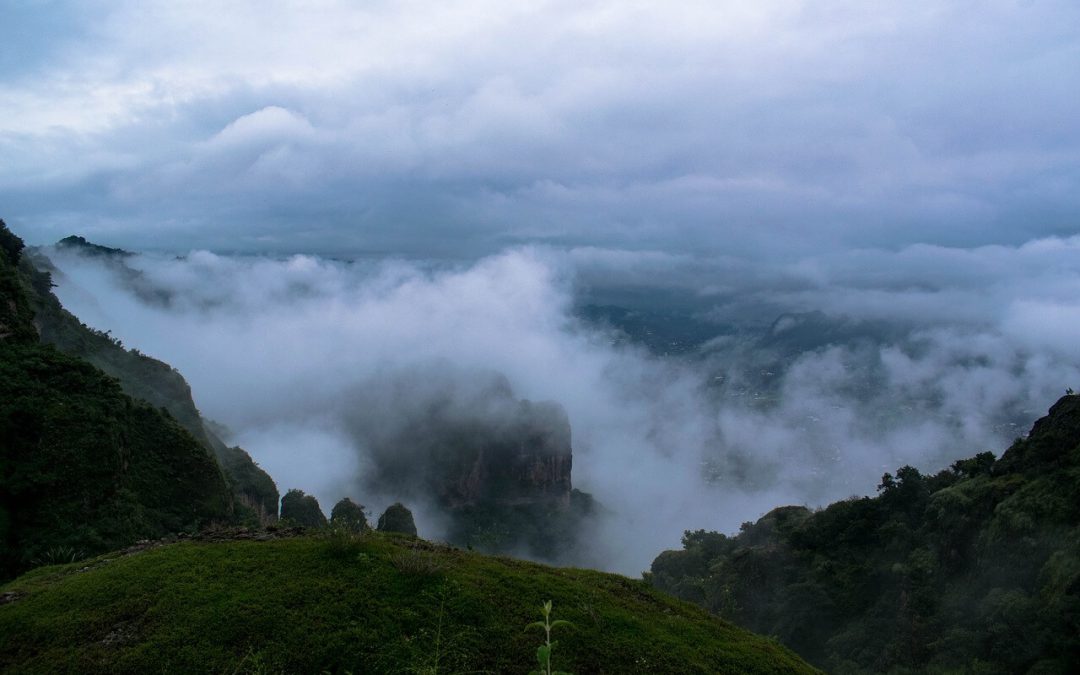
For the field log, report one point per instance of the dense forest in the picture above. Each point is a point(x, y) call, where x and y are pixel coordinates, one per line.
point(972, 569)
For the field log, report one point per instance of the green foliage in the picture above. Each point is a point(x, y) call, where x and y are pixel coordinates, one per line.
point(301, 510)
point(342, 540)
point(254, 491)
point(141, 377)
point(416, 562)
point(16, 315)
point(397, 518)
point(11, 245)
point(545, 529)
point(86, 467)
point(293, 605)
point(83, 467)
point(544, 651)
point(350, 515)
point(974, 569)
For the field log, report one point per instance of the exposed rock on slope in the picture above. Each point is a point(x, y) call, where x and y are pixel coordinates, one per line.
point(499, 466)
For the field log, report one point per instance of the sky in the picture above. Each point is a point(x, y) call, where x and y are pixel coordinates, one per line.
point(909, 165)
point(773, 130)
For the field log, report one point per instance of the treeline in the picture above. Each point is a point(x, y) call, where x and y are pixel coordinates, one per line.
point(973, 569)
point(302, 510)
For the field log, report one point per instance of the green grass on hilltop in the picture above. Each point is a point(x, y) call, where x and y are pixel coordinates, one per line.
point(370, 604)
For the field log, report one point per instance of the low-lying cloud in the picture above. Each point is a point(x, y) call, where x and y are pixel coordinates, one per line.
point(289, 353)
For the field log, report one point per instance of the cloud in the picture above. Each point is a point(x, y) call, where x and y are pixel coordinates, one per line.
point(293, 353)
point(782, 130)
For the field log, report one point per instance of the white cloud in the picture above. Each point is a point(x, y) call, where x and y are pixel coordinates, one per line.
point(282, 350)
point(707, 125)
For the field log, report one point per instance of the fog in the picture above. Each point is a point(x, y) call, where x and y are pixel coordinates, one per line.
point(944, 352)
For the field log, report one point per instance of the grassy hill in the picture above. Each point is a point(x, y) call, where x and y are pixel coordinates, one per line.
point(336, 602)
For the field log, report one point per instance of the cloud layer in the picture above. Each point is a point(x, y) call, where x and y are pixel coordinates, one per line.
point(784, 129)
point(284, 351)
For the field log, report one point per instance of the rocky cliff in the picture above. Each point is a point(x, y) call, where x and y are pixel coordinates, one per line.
point(498, 466)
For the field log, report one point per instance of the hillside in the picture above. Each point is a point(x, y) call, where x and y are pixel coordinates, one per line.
point(368, 603)
point(973, 569)
point(84, 468)
point(140, 376)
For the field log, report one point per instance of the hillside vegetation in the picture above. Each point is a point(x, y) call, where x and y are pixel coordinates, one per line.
point(84, 468)
point(974, 569)
point(371, 603)
point(140, 376)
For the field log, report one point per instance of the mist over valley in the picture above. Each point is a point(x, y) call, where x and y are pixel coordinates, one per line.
point(551, 337)
point(689, 407)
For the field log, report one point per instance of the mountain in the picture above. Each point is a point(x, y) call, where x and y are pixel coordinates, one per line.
point(498, 467)
point(140, 376)
point(973, 569)
point(372, 603)
point(85, 468)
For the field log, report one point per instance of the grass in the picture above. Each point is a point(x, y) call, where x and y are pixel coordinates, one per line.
point(311, 605)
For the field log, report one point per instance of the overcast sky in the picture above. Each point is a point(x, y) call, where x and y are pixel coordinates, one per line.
point(775, 128)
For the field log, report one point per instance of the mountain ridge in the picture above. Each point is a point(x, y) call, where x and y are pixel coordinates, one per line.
point(973, 569)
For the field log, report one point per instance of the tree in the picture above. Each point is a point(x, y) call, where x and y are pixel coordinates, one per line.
point(350, 514)
point(10, 244)
point(397, 518)
point(301, 509)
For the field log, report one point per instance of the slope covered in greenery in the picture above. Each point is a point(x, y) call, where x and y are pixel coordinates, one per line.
point(83, 467)
point(371, 603)
point(141, 377)
point(973, 569)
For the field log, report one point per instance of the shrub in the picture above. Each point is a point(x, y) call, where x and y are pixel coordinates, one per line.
point(301, 509)
point(349, 514)
point(397, 518)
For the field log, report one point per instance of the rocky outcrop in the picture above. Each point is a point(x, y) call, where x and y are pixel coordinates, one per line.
point(497, 466)
point(528, 460)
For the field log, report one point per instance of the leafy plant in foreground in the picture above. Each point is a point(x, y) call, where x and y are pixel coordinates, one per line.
point(543, 652)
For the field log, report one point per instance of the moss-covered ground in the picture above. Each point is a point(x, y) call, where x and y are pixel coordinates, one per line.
point(339, 603)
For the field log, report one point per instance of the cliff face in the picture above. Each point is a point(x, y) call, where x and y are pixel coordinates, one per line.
point(497, 466)
point(529, 460)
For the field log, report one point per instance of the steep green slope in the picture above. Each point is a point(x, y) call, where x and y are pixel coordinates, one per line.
point(974, 569)
point(364, 604)
point(141, 377)
point(83, 467)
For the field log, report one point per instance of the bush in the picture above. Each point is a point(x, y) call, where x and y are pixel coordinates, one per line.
point(350, 515)
point(301, 509)
point(397, 518)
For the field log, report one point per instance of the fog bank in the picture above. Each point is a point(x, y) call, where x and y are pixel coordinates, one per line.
point(290, 352)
